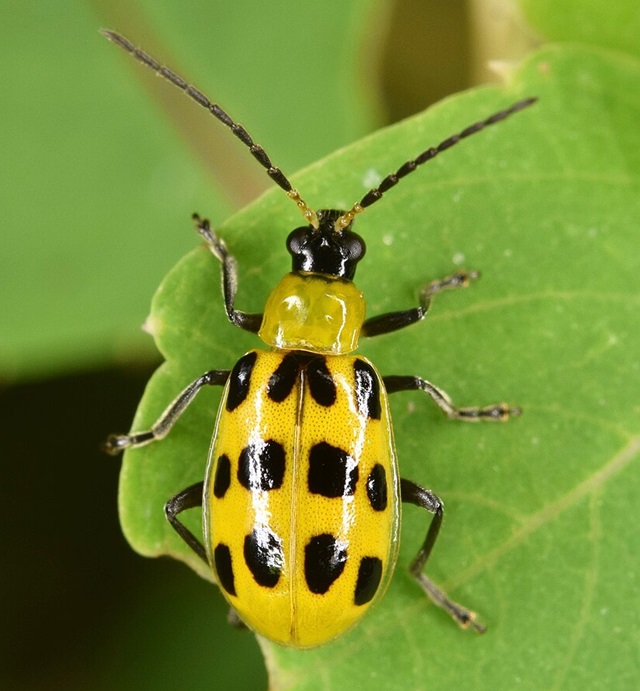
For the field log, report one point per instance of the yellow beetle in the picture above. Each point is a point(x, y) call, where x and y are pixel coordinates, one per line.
point(301, 499)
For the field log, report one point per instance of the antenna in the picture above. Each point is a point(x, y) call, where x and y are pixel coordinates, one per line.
point(256, 150)
point(393, 179)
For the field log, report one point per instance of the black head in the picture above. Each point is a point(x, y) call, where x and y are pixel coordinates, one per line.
point(324, 249)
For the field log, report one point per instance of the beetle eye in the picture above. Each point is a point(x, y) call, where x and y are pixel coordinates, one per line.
point(296, 240)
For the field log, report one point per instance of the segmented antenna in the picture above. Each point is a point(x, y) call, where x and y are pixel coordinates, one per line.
point(393, 179)
point(256, 150)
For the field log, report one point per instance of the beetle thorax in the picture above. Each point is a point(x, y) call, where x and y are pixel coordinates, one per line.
point(313, 312)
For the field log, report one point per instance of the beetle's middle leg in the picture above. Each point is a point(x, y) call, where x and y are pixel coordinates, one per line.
point(117, 443)
point(498, 412)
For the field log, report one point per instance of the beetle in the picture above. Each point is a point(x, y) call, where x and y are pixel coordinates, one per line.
point(301, 495)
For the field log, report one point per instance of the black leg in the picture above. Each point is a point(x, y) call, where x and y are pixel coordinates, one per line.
point(246, 321)
point(189, 498)
point(414, 494)
point(392, 321)
point(498, 412)
point(116, 443)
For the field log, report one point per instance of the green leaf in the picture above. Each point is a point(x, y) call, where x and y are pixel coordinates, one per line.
point(540, 535)
point(608, 25)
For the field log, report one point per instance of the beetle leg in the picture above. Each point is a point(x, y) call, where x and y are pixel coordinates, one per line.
point(116, 443)
point(233, 618)
point(414, 494)
point(392, 321)
point(245, 320)
point(189, 498)
point(498, 412)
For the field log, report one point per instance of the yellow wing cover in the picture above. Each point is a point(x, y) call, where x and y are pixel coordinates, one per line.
point(301, 512)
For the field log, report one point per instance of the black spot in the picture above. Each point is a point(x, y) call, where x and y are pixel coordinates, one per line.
point(283, 379)
point(223, 476)
point(377, 488)
point(264, 556)
point(224, 569)
point(369, 575)
point(239, 380)
point(367, 390)
point(321, 385)
point(324, 560)
point(261, 465)
point(332, 472)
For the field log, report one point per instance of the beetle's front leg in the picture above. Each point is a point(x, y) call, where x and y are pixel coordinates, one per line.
point(247, 321)
point(116, 443)
point(392, 321)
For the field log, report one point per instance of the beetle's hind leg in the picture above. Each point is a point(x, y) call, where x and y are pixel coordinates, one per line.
point(189, 498)
point(247, 321)
point(233, 618)
point(414, 494)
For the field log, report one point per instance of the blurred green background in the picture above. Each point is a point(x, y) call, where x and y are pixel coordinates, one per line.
point(102, 167)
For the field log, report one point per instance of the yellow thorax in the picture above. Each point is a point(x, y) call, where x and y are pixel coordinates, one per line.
point(314, 312)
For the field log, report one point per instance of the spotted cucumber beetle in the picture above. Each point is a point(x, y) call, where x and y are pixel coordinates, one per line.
point(301, 497)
